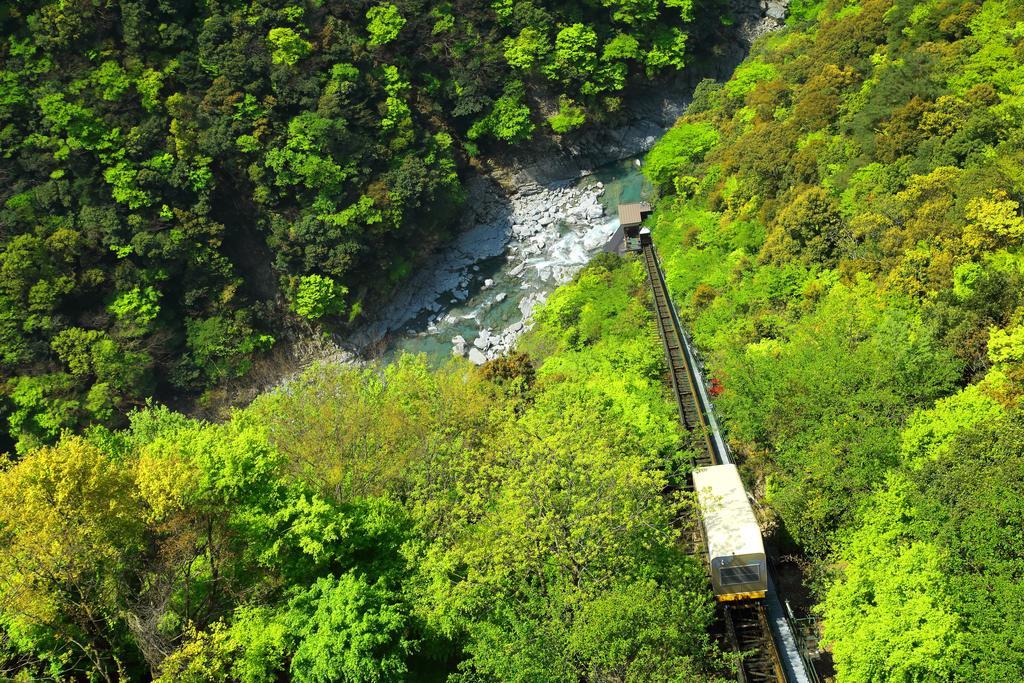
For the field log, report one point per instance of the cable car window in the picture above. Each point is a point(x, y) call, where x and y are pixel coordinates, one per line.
point(746, 573)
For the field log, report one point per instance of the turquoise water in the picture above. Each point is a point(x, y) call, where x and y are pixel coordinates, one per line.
point(623, 184)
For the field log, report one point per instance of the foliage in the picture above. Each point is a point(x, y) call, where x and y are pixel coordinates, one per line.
point(509, 120)
point(173, 173)
point(957, 519)
point(289, 47)
point(900, 619)
point(384, 23)
point(683, 145)
point(846, 250)
point(72, 527)
point(318, 296)
point(569, 117)
point(747, 76)
point(375, 523)
point(136, 309)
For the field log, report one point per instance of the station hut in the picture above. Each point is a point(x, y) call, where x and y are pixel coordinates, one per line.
point(631, 216)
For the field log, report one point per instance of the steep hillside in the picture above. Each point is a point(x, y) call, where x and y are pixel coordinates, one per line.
point(842, 227)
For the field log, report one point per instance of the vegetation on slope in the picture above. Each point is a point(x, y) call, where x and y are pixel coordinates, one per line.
point(508, 523)
point(172, 171)
point(841, 226)
point(842, 229)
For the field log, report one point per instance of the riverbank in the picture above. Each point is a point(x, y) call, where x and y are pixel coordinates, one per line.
point(477, 295)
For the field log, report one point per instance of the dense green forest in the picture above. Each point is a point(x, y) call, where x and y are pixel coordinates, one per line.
point(183, 181)
point(509, 523)
point(840, 225)
point(842, 230)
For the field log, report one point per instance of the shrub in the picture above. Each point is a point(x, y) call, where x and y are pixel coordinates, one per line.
point(317, 296)
point(683, 145)
point(569, 117)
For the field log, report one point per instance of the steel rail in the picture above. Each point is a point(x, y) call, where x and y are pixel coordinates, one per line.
point(692, 412)
point(749, 634)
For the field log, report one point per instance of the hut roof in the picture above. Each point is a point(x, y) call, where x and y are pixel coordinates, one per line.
point(633, 214)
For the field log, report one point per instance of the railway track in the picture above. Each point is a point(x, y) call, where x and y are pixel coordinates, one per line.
point(745, 623)
point(691, 412)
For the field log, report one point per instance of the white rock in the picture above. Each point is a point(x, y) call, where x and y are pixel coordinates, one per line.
point(477, 357)
point(776, 10)
point(488, 283)
point(458, 345)
point(501, 297)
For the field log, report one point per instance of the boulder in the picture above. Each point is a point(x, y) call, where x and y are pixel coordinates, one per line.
point(458, 345)
point(477, 357)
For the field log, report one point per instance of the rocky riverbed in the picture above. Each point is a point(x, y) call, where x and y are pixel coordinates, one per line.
point(531, 222)
point(477, 295)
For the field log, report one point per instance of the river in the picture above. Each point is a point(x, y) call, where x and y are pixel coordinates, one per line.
point(476, 295)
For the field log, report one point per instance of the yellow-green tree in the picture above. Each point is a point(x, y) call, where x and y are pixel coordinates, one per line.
point(71, 535)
